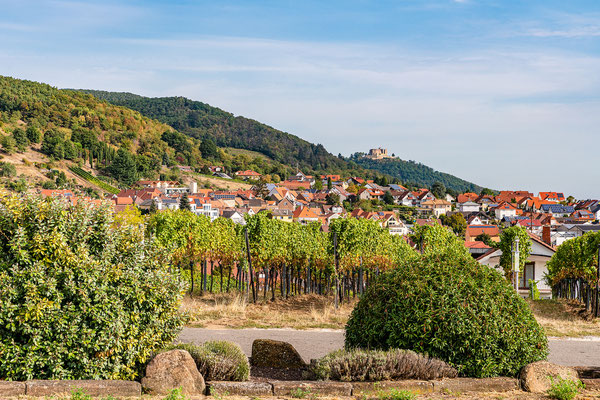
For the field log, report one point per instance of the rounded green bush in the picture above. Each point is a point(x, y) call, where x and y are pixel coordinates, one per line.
point(218, 360)
point(451, 308)
point(81, 298)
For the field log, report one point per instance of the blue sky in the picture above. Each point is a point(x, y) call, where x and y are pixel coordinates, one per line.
point(503, 93)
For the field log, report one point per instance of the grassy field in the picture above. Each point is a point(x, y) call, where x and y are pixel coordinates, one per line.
point(298, 312)
point(559, 318)
point(251, 154)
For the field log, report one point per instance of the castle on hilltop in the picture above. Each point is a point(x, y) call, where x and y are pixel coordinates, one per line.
point(378, 154)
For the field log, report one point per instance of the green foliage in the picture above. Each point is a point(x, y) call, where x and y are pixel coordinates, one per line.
point(300, 393)
point(21, 139)
point(123, 167)
point(485, 238)
point(79, 394)
point(176, 394)
point(218, 360)
point(438, 189)
point(456, 221)
point(507, 238)
point(82, 298)
point(575, 258)
point(208, 148)
point(416, 174)
point(92, 179)
point(7, 170)
point(377, 365)
point(534, 292)
point(395, 394)
point(8, 144)
point(564, 389)
point(33, 134)
point(184, 202)
point(448, 306)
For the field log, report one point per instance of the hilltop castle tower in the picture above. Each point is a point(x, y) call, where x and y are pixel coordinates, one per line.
point(378, 154)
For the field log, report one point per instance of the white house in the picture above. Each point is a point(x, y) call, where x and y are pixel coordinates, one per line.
point(505, 210)
point(535, 269)
point(469, 207)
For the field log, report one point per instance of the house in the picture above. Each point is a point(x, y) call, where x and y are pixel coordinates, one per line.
point(570, 231)
point(282, 215)
point(234, 215)
point(473, 231)
point(422, 195)
point(340, 191)
point(468, 196)
point(304, 215)
point(397, 187)
point(404, 198)
point(390, 220)
point(552, 196)
point(476, 248)
point(370, 194)
point(468, 207)
point(505, 209)
point(295, 184)
point(437, 206)
point(450, 198)
point(248, 175)
point(558, 210)
point(477, 219)
point(185, 168)
point(535, 268)
point(596, 211)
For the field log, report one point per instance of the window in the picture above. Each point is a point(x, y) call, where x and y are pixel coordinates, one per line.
point(527, 274)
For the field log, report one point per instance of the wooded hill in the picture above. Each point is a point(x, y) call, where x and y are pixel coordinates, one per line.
point(200, 120)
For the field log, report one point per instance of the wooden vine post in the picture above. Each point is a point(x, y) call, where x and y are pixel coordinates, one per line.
point(250, 272)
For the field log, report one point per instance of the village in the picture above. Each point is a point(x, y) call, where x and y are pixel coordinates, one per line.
point(550, 218)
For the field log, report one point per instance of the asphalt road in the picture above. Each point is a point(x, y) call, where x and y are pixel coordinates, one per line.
point(315, 344)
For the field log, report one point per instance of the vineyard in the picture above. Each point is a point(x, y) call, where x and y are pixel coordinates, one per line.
point(92, 179)
point(268, 257)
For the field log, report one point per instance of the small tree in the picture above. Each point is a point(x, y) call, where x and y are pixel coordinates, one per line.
point(438, 189)
point(329, 183)
point(33, 134)
point(507, 239)
point(21, 139)
point(184, 202)
point(333, 199)
point(7, 170)
point(388, 198)
point(318, 185)
point(153, 207)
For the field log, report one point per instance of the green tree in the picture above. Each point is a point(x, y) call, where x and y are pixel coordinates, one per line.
point(507, 239)
point(438, 189)
point(487, 192)
point(388, 198)
point(456, 221)
point(318, 184)
point(153, 207)
point(485, 238)
point(329, 183)
point(61, 179)
point(20, 139)
point(332, 199)
point(33, 134)
point(8, 143)
point(123, 167)
point(209, 149)
point(184, 202)
point(7, 170)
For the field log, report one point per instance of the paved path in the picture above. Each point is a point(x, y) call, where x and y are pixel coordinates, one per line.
point(315, 344)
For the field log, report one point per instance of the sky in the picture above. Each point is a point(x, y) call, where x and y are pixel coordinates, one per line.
point(502, 93)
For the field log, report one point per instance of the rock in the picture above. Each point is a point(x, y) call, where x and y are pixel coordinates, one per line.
point(535, 377)
point(275, 354)
point(171, 370)
point(465, 385)
point(308, 388)
point(240, 388)
point(11, 389)
point(94, 388)
point(591, 384)
point(415, 386)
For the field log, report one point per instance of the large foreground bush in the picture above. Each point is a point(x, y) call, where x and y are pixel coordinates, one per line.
point(218, 360)
point(79, 297)
point(453, 309)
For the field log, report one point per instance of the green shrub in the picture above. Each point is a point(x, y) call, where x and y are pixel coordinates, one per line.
point(218, 360)
point(395, 394)
point(82, 298)
point(378, 365)
point(564, 389)
point(451, 308)
point(534, 292)
point(176, 394)
point(7, 170)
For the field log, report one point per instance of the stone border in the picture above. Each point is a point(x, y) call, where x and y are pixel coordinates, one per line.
point(101, 388)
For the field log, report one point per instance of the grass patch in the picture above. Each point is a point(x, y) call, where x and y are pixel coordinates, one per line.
point(298, 312)
point(561, 318)
point(564, 389)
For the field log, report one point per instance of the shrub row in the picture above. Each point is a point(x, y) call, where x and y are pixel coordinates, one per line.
point(91, 178)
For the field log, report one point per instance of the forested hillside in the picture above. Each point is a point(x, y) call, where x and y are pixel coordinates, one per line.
point(417, 174)
point(114, 141)
point(200, 120)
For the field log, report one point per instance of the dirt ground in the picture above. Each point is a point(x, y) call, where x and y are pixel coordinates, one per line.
point(562, 318)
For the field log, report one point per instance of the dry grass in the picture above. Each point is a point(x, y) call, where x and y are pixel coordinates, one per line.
point(298, 312)
point(564, 319)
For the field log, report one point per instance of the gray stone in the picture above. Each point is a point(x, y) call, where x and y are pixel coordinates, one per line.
point(323, 388)
point(240, 388)
point(275, 354)
point(462, 385)
point(12, 389)
point(95, 388)
point(171, 370)
point(536, 377)
point(415, 386)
